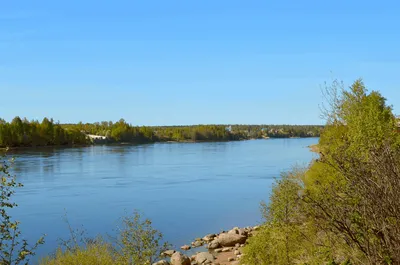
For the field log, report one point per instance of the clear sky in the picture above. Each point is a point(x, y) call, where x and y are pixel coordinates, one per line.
point(191, 61)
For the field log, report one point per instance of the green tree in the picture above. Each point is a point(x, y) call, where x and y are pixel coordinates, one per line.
point(138, 242)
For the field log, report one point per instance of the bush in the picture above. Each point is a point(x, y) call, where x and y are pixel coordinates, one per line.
point(137, 243)
point(99, 253)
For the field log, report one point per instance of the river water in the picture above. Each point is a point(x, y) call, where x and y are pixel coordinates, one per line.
point(186, 189)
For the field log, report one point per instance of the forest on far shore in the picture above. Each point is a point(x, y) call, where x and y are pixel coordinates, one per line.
point(24, 133)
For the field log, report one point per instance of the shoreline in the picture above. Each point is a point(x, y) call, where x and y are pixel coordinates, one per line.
point(3, 149)
point(224, 248)
point(314, 148)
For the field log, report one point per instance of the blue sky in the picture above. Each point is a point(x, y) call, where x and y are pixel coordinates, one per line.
point(193, 61)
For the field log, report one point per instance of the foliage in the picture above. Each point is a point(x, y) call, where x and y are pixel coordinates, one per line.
point(288, 236)
point(276, 242)
point(97, 252)
point(122, 131)
point(20, 133)
point(354, 189)
point(345, 207)
point(137, 243)
point(13, 249)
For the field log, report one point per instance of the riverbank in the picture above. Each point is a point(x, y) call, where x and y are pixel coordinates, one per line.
point(314, 148)
point(224, 248)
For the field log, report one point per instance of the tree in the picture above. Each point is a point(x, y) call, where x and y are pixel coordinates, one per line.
point(344, 209)
point(138, 242)
point(351, 190)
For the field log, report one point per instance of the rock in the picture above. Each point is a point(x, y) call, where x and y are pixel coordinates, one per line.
point(237, 245)
point(226, 249)
point(231, 259)
point(168, 253)
point(204, 258)
point(233, 231)
point(161, 262)
point(242, 245)
point(218, 250)
point(243, 232)
point(180, 259)
point(237, 252)
point(257, 227)
point(230, 240)
point(209, 237)
point(214, 244)
point(197, 243)
point(185, 247)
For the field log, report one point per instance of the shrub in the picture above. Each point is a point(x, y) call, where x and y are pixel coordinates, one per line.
point(96, 253)
point(137, 243)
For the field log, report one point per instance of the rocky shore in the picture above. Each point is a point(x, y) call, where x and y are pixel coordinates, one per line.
point(224, 248)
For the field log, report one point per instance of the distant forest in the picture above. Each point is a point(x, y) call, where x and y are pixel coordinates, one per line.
point(23, 133)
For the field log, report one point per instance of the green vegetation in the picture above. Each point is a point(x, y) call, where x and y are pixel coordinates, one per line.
point(13, 250)
point(137, 242)
point(344, 208)
point(24, 133)
point(19, 133)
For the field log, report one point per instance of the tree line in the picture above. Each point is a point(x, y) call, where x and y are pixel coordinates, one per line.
point(125, 132)
point(23, 133)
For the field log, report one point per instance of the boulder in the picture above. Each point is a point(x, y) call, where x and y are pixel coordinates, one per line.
point(230, 240)
point(204, 258)
point(233, 231)
point(209, 237)
point(243, 232)
point(214, 244)
point(168, 253)
point(197, 243)
point(180, 259)
point(226, 249)
point(161, 262)
point(185, 247)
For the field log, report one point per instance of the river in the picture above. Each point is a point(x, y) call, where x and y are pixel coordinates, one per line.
point(186, 189)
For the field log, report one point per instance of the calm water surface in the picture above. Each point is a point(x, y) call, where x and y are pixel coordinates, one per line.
point(187, 189)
